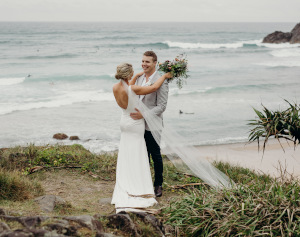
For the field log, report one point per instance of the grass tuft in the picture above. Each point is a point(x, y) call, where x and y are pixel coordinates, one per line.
point(14, 186)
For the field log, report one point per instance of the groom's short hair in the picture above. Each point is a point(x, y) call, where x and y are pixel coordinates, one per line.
point(151, 54)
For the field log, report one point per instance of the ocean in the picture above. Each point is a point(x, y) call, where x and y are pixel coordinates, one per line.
point(58, 77)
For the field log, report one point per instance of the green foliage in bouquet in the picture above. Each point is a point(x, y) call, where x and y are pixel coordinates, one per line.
point(178, 68)
point(278, 124)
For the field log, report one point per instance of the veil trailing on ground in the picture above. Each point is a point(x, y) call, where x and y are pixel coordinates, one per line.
point(185, 157)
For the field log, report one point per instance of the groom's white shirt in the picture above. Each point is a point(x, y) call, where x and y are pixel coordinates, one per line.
point(144, 81)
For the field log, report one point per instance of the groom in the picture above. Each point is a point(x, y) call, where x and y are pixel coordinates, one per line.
point(156, 102)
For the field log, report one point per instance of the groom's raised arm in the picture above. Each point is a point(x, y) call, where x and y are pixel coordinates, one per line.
point(162, 99)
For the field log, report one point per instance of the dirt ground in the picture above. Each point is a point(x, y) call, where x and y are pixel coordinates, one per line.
point(85, 194)
point(80, 190)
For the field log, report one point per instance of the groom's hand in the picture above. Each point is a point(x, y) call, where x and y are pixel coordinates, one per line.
point(136, 115)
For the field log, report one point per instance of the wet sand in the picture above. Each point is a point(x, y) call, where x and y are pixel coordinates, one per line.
point(274, 161)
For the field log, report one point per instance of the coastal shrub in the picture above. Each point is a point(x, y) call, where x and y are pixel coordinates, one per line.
point(59, 156)
point(278, 124)
point(258, 205)
point(14, 186)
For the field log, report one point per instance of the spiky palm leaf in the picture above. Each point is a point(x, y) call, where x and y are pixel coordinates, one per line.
point(279, 124)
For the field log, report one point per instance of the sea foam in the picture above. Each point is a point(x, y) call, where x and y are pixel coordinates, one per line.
point(11, 81)
point(66, 99)
point(225, 140)
point(233, 45)
point(280, 64)
point(203, 46)
point(285, 53)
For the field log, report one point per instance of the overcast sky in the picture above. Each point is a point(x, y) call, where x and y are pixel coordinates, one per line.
point(151, 10)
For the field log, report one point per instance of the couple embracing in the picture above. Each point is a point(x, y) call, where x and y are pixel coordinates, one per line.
point(133, 189)
point(143, 99)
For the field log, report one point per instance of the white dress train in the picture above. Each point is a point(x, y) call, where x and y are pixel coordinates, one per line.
point(133, 189)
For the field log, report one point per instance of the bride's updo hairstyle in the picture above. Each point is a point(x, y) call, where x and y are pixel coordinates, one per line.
point(124, 71)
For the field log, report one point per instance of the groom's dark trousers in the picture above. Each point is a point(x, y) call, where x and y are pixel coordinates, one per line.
point(154, 150)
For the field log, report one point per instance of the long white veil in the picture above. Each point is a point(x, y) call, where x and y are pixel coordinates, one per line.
point(185, 157)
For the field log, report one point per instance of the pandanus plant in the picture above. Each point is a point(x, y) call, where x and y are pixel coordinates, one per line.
point(278, 124)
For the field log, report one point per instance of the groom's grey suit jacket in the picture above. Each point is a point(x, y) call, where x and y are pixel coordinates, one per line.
point(156, 101)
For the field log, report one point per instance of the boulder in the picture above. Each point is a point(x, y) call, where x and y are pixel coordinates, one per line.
point(74, 138)
point(60, 136)
point(296, 34)
point(124, 222)
point(277, 37)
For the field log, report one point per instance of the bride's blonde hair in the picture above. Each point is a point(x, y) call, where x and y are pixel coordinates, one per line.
point(124, 71)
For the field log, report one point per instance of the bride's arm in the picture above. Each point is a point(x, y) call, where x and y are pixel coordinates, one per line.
point(144, 90)
point(133, 80)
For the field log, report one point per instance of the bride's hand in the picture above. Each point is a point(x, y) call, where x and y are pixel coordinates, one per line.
point(139, 74)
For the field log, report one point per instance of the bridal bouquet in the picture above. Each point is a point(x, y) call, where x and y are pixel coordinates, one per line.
point(178, 68)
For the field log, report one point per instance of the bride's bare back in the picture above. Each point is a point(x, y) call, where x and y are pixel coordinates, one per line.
point(121, 95)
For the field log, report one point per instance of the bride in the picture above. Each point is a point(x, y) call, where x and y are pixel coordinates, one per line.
point(133, 189)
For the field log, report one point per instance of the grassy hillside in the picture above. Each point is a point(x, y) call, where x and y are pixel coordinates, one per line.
point(258, 205)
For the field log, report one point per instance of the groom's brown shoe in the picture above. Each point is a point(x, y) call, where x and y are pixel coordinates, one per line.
point(158, 191)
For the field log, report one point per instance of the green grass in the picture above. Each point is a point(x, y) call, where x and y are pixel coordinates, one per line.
point(258, 206)
point(26, 158)
point(14, 186)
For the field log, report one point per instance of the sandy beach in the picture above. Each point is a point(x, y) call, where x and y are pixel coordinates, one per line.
point(272, 162)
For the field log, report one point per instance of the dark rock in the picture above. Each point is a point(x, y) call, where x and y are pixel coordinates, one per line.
point(123, 222)
point(74, 138)
point(18, 233)
point(296, 34)
point(87, 221)
point(60, 136)
point(277, 37)
point(40, 226)
point(106, 235)
point(64, 229)
point(147, 218)
point(33, 221)
point(39, 232)
point(29, 233)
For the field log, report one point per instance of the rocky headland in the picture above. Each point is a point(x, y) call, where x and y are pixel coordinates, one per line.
point(278, 37)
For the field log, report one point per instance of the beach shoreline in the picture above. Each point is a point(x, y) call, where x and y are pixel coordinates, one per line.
point(274, 161)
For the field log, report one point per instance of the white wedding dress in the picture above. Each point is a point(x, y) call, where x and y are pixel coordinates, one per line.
point(133, 189)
